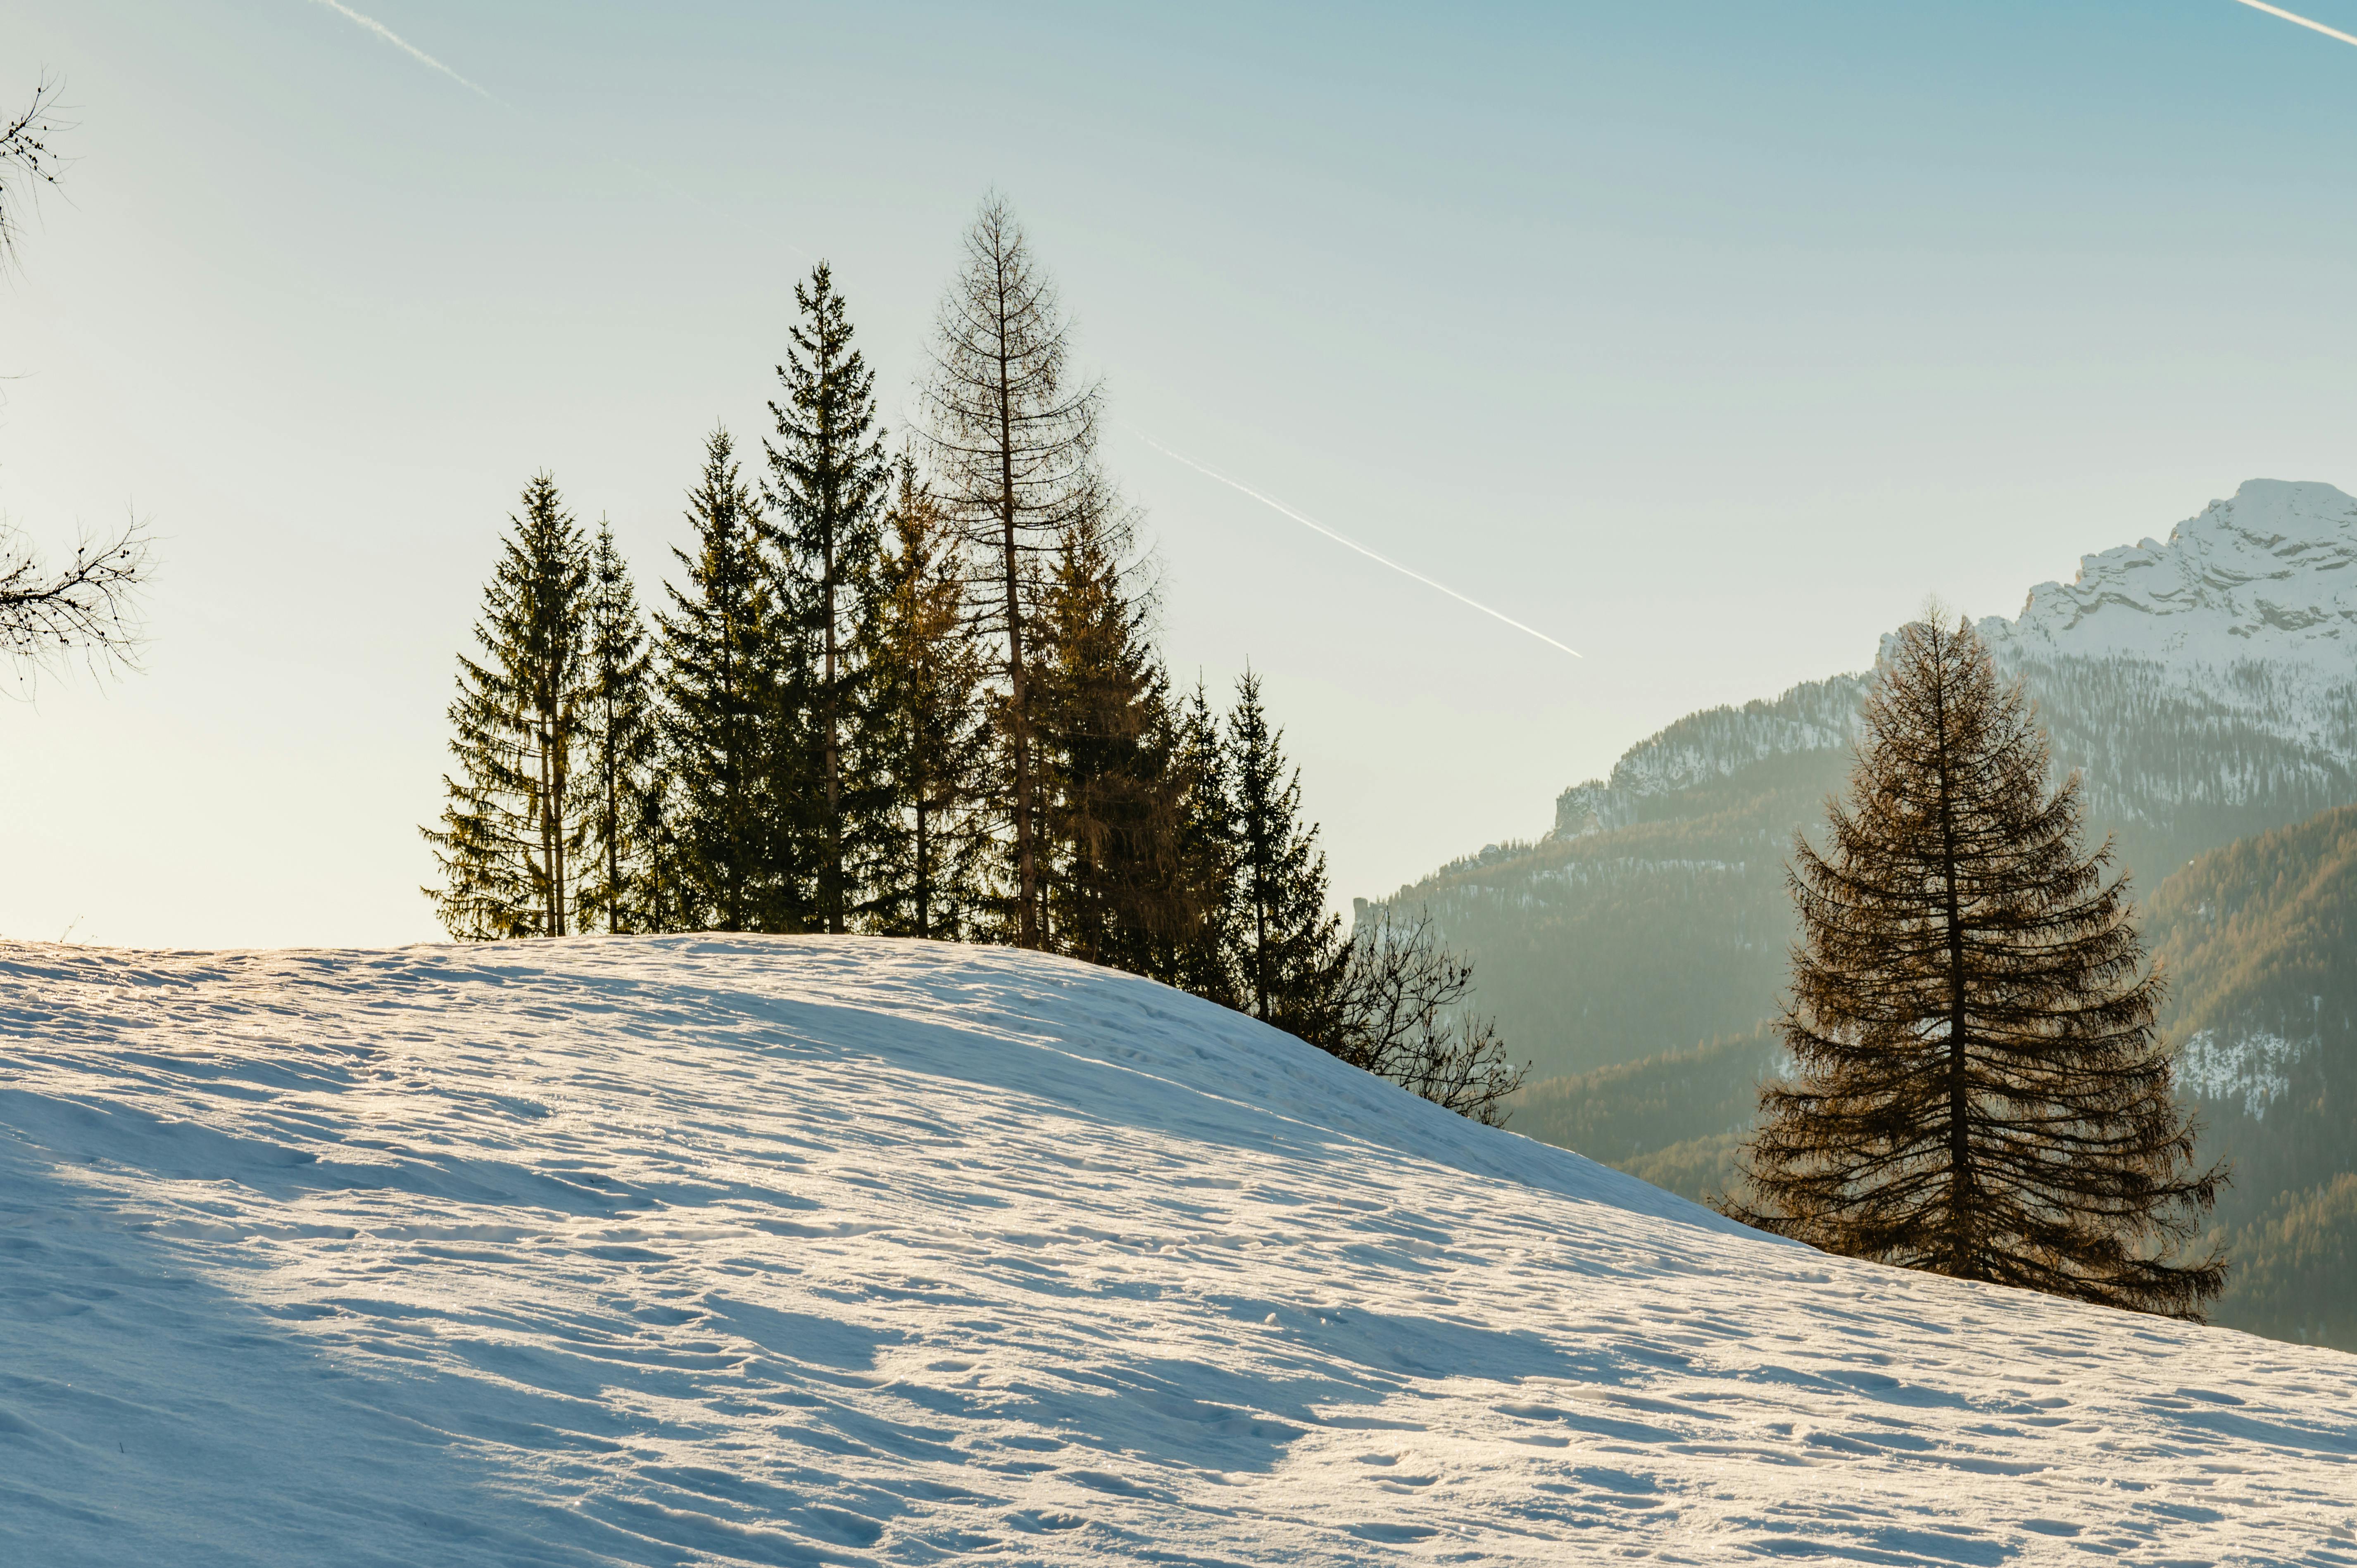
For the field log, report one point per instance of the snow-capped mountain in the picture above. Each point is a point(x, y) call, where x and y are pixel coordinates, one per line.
point(2270, 575)
point(2204, 688)
point(720, 1250)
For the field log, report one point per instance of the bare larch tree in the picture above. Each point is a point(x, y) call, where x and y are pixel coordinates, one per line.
point(1979, 1088)
point(1011, 437)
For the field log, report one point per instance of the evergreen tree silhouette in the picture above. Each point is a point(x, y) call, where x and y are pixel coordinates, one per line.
point(1289, 949)
point(923, 729)
point(509, 844)
point(1978, 1090)
point(727, 668)
point(826, 491)
point(1100, 707)
point(620, 735)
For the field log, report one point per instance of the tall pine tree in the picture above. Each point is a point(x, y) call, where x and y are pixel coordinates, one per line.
point(924, 732)
point(730, 699)
point(1978, 1088)
point(510, 846)
point(1290, 952)
point(1111, 808)
point(1201, 952)
point(825, 494)
point(621, 738)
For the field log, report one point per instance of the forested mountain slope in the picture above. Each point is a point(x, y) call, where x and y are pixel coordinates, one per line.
point(2259, 943)
point(799, 1251)
point(2206, 687)
point(2260, 940)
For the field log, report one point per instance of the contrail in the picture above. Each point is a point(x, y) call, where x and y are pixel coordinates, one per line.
point(2298, 21)
point(414, 52)
point(1312, 523)
point(405, 46)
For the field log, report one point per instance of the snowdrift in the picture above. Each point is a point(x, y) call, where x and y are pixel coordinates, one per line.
point(767, 1251)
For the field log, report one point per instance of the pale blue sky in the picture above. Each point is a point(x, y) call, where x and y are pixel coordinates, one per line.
point(1708, 337)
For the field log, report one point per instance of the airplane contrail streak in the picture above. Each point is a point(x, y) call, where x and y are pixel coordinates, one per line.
point(405, 46)
point(1311, 523)
point(2298, 20)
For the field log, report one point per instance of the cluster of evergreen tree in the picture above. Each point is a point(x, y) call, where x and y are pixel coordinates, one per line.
point(914, 695)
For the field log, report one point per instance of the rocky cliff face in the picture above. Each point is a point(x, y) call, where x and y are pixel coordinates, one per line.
point(2270, 575)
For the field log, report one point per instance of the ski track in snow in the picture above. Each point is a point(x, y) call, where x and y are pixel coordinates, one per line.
point(797, 1250)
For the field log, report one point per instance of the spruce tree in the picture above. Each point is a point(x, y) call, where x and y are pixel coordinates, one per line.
point(730, 702)
point(924, 730)
point(1289, 949)
point(1978, 1088)
point(666, 893)
point(1201, 955)
point(825, 493)
point(510, 846)
point(620, 736)
point(1012, 436)
point(1110, 807)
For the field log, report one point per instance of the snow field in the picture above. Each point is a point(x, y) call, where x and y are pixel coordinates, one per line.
point(673, 1251)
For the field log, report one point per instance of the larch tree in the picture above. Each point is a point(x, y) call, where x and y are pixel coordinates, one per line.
point(828, 478)
point(1289, 949)
point(924, 729)
point(509, 844)
point(1100, 704)
point(1011, 437)
point(621, 736)
point(1978, 1090)
point(726, 692)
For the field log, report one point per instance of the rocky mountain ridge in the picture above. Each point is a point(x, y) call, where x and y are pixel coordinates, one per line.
point(2249, 610)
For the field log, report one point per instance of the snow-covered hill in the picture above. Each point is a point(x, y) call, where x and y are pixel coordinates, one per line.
point(694, 1251)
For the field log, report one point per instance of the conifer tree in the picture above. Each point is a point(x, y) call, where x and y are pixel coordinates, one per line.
point(1012, 436)
point(1110, 811)
point(510, 846)
point(667, 893)
point(1289, 949)
point(923, 730)
point(1978, 1090)
point(1202, 951)
point(620, 735)
point(826, 491)
point(729, 698)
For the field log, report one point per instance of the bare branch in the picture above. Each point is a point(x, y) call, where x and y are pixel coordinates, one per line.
point(29, 160)
point(86, 610)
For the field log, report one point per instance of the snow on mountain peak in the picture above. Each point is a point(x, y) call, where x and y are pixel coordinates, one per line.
point(2271, 574)
point(732, 1251)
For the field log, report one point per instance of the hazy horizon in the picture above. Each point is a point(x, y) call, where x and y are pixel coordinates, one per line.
point(1705, 340)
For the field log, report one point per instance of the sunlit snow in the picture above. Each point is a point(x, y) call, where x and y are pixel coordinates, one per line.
point(793, 1251)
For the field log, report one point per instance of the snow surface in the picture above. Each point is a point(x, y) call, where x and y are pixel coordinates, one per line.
point(2271, 574)
point(797, 1250)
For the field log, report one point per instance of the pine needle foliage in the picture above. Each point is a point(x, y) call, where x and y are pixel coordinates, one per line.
point(1978, 1087)
point(1201, 957)
point(621, 736)
point(1102, 702)
point(725, 652)
point(1010, 435)
point(924, 732)
point(828, 479)
point(511, 842)
point(1289, 949)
